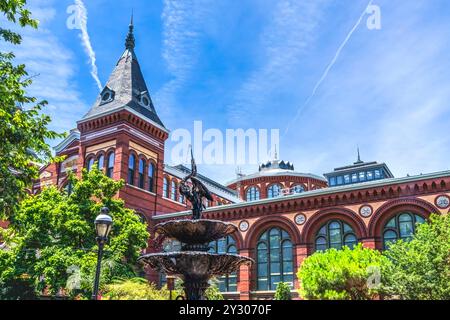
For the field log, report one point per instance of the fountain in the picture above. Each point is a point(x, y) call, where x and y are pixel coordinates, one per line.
point(194, 264)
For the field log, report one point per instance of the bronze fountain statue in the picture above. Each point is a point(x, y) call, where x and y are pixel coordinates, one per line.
point(194, 264)
point(196, 193)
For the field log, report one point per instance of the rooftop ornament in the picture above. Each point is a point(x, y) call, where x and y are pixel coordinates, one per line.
point(193, 264)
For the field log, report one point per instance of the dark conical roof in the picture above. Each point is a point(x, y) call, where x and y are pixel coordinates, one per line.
point(126, 88)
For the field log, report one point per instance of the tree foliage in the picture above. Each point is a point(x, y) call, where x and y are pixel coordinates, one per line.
point(420, 268)
point(340, 274)
point(135, 289)
point(51, 238)
point(23, 130)
point(283, 291)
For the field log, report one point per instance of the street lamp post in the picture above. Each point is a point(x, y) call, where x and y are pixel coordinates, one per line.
point(103, 224)
point(170, 285)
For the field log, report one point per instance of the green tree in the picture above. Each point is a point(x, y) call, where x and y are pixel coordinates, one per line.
point(420, 268)
point(283, 291)
point(23, 130)
point(341, 274)
point(51, 238)
point(213, 292)
point(135, 289)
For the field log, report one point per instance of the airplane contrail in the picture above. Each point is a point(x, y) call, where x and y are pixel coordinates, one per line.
point(327, 70)
point(86, 42)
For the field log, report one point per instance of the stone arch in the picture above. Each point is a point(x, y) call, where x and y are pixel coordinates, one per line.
point(390, 208)
point(265, 223)
point(313, 224)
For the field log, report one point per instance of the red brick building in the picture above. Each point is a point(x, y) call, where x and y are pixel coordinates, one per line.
point(283, 215)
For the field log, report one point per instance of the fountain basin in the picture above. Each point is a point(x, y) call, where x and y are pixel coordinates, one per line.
point(195, 264)
point(193, 232)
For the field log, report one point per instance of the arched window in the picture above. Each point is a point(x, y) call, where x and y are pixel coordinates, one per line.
point(151, 177)
point(69, 188)
point(180, 198)
point(298, 188)
point(173, 190)
point(274, 191)
point(165, 188)
point(274, 259)
point(110, 166)
point(402, 226)
point(101, 162)
point(227, 283)
point(335, 234)
point(131, 168)
point(141, 180)
point(90, 163)
point(252, 194)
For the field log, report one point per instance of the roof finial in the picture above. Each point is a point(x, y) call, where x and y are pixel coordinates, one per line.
point(130, 41)
point(359, 156)
point(276, 154)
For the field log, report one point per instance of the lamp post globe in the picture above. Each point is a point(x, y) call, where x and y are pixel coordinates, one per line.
point(103, 224)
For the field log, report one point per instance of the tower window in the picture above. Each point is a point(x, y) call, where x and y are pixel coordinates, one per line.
point(131, 169)
point(110, 166)
point(141, 173)
point(151, 177)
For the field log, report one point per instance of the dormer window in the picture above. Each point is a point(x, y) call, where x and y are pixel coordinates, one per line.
point(107, 96)
point(144, 100)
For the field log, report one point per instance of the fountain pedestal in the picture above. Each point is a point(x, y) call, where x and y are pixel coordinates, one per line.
point(193, 264)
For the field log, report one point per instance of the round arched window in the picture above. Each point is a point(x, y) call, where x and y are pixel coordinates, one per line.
point(274, 191)
point(402, 226)
point(274, 259)
point(252, 194)
point(335, 234)
point(298, 188)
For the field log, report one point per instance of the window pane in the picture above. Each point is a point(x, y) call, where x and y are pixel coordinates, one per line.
point(406, 229)
point(391, 223)
point(333, 181)
point(362, 176)
point(350, 241)
point(321, 244)
point(419, 219)
point(347, 178)
point(101, 162)
point(405, 217)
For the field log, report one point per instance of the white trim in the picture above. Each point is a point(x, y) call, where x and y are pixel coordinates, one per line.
point(100, 133)
point(319, 192)
point(174, 201)
point(73, 135)
point(140, 189)
point(126, 128)
point(217, 191)
point(277, 173)
point(98, 115)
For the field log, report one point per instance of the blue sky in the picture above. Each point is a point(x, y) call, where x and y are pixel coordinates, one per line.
point(254, 63)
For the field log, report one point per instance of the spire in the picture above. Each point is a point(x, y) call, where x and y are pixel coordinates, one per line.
point(359, 157)
point(276, 154)
point(126, 87)
point(130, 41)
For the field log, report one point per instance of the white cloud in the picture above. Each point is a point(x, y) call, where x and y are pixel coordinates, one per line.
point(86, 41)
point(287, 36)
point(388, 92)
point(181, 40)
